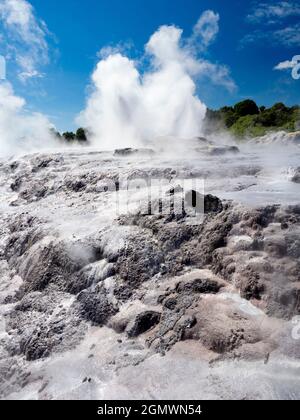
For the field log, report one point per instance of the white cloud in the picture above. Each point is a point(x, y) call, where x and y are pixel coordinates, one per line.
point(273, 11)
point(289, 36)
point(205, 30)
point(273, 17)
point(285, 65)
point(293, 65)
point(121, 47)
point(218, 74)
point(127, 107)
point(25, 38)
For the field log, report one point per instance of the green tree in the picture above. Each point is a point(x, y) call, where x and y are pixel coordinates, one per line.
point(277, 116)
point(69, 136)
point(247, 107)
point(279, 106)
point(81, 135)
point(246, 119)
point(55, 133)
point(228, 116)
point(226, 109)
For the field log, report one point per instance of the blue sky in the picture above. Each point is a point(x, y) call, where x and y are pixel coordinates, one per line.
point(253, 38)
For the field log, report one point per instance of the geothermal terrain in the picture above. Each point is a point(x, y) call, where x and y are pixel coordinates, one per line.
point(110, 290)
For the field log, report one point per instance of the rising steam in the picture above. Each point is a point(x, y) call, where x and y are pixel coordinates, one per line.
point(128, 107)
point(21, 131)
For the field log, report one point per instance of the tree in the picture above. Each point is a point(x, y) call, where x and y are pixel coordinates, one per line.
point(247, 107)
point(279, 106)
point(230, 118)
point(81, 135)
point(277, 116)
point(226, 109)
point(55, 133)
point(69, 136)
point(228, 115)
point(246, 119)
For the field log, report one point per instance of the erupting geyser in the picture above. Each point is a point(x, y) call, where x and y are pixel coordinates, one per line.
point(129, 106)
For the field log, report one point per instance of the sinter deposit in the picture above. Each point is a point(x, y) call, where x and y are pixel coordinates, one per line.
point(108, 292)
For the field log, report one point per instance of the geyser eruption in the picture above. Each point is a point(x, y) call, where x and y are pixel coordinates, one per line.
point(128, 107)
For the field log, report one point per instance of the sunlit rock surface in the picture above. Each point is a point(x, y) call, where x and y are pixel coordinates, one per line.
point(109, 292)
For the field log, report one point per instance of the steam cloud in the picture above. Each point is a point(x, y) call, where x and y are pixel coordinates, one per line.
point(127, 107)
point(19, 130)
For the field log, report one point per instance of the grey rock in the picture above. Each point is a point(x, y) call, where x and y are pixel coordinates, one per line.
point(95, 306)
point(143, 322)
point(296, 176)
point(131, 152)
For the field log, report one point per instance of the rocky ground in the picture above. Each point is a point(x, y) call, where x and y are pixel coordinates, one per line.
point(108, 292)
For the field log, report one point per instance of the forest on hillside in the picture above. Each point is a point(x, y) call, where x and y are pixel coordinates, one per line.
point(246, 119)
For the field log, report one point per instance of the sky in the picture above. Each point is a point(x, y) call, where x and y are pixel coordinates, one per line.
point(53, 46)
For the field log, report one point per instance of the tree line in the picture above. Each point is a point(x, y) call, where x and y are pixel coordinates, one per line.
point(243, 119)
point(80, 135)
point(247, 119)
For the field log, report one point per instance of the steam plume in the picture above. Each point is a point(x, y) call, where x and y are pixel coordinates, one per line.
point(129, 107)
point(21, 131)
